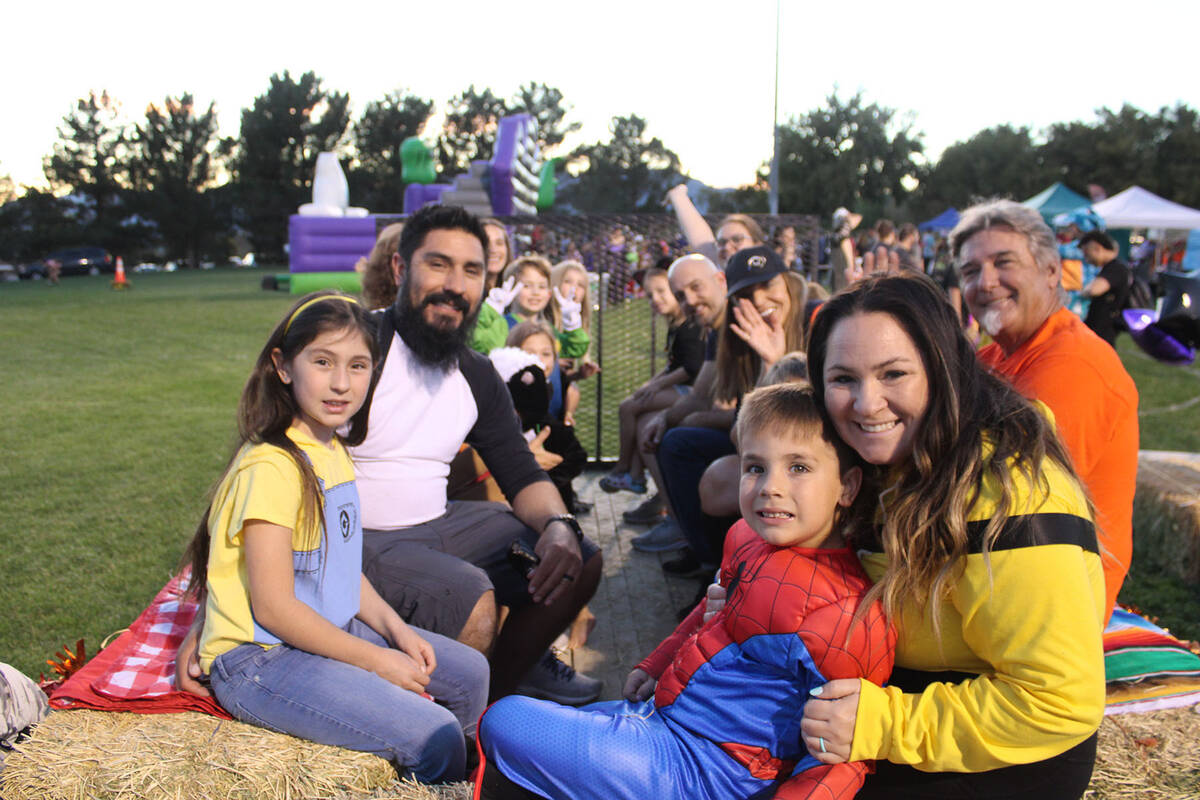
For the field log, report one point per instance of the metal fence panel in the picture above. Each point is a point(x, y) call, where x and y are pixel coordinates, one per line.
point(627, 341)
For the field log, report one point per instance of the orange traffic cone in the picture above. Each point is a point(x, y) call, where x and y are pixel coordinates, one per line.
point(119, 280)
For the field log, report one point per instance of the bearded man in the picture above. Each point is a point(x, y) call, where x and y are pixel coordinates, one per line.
point(443, 565)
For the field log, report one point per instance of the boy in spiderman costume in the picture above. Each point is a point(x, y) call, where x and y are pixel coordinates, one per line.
point(728, 693)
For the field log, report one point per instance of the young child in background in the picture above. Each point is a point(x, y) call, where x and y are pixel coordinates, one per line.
point(537, 302)
point(533, 404)
point(294, 637)
point(685, 356)
point(490, 326)
point(569, 282)
point(729, 693)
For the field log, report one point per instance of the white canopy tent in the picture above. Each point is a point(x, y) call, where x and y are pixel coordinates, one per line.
point(1137, 208)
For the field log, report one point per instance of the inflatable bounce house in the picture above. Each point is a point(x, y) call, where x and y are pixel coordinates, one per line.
point(328, 236)
point(1171, 333)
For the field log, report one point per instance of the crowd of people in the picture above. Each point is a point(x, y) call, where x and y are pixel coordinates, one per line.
point(916, 540)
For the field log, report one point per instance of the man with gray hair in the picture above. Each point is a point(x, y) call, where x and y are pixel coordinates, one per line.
point(1010, 272)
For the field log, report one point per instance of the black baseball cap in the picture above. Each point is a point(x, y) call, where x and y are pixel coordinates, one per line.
point(752, 265)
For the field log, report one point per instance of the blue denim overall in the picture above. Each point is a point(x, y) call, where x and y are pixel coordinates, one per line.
point(327, 577)
point(332, 702)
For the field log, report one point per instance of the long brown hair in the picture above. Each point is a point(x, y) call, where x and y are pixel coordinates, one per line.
point(739, 367)
point(267, 408)
point(924, 530)
point(491, 280)
point(557, 273)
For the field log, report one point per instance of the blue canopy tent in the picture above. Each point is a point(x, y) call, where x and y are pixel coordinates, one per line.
point(1055, 199)
point(942, 222)
point(1191, 256)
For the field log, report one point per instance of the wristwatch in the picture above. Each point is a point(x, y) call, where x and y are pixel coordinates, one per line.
point(569, 520)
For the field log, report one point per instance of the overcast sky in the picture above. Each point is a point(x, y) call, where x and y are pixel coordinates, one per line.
point(701, 73)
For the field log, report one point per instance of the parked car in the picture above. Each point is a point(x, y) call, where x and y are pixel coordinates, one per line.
point(81, 261)
point(34, 270)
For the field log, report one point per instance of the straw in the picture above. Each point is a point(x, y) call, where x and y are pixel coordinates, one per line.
point(79, 755)
point(75, 755)
point(1152, 756)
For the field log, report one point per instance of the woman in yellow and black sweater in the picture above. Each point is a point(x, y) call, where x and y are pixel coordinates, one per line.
point(984, 556)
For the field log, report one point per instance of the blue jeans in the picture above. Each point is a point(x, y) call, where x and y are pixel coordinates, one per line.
point(323, 700)
point(683, 456)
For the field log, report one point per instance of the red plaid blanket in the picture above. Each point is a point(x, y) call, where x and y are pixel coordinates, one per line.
point(137, 671)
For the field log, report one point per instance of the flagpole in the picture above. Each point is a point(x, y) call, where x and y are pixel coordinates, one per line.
point(773, 192)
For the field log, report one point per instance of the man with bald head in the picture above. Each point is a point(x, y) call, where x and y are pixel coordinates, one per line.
point(692, 433)
point(1010, 272)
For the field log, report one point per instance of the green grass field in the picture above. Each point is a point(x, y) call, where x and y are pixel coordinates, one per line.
point(122, 415)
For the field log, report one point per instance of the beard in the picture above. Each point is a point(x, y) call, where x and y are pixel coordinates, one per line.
point(991, 322)
point(433, 345)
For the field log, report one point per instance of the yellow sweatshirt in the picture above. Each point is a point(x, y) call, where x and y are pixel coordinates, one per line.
point(1029, 628)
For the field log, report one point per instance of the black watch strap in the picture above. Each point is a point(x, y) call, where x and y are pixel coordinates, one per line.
point(570, 521)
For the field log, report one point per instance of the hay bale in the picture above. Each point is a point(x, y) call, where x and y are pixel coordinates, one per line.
point(78, 755)
point(409, 790)
point(1153, 756)
point(1167, 511)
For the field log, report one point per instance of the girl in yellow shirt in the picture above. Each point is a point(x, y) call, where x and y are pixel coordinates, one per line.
point(294, 638)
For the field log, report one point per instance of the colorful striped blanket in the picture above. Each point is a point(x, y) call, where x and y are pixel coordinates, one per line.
point(1146, 667)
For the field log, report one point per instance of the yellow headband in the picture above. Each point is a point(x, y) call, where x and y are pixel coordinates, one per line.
point(315, 300)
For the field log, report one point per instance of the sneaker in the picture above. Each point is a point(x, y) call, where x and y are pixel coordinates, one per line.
point(666, 535)
point(622, 482)
point(688, 566)
point(551, 679)
point(580, 507)
point(650, 512)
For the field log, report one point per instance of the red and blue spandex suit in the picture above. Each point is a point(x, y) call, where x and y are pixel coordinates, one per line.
point(725, 718)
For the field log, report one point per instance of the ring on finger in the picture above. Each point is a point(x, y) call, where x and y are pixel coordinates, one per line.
point(568, 578)
point(821, 741)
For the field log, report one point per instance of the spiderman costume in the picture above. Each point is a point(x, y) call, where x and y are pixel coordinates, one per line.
point(725, 718)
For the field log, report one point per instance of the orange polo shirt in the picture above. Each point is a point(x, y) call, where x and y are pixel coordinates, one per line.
point(1081, 378)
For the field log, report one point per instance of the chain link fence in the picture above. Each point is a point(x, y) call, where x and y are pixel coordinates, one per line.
point(628, 342)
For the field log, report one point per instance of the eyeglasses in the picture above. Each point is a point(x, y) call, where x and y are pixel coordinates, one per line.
point(735, 240)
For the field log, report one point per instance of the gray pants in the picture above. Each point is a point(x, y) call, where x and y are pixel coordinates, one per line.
point(434, 573)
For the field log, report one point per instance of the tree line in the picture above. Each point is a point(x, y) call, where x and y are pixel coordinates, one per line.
point(169, 183)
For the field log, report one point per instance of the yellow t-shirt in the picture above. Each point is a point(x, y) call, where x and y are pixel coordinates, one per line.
point(263, 483)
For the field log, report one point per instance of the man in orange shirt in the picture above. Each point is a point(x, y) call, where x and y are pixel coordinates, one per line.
point(1010, 271)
